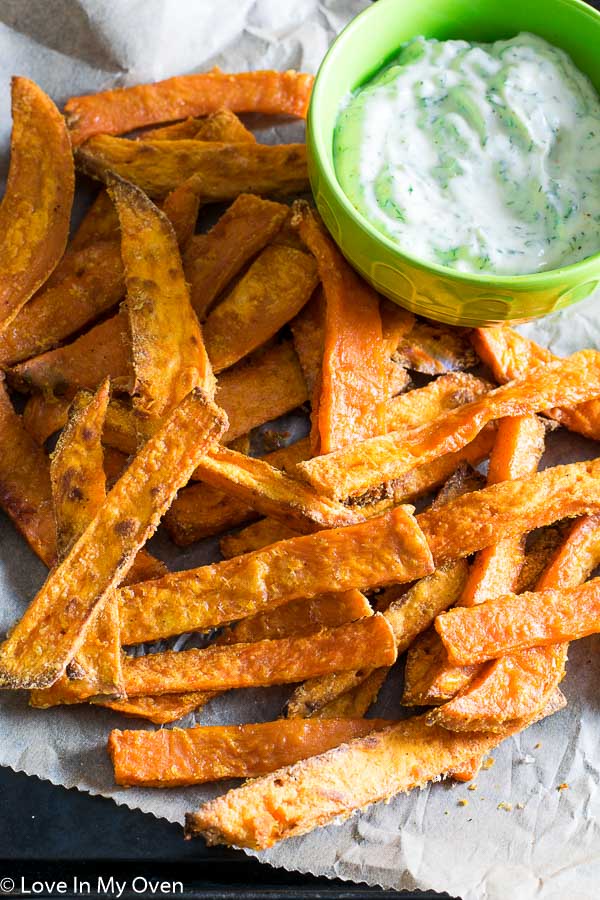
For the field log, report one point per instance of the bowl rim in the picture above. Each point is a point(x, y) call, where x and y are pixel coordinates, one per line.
point(316, 145)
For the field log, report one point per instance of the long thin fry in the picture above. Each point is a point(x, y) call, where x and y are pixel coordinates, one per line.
point(425, 404)
point(254, 537)
point(334, 560)
point(356, 469)
point(125, 109)
point(53, 627)
point(177, 757)
point(509, 356)
point(354, 703)
point(352, 386)
point(222, 125)
point(275, 288)
point(261, 663)
point(314, 792)
point(36, 208)
point(213, 170)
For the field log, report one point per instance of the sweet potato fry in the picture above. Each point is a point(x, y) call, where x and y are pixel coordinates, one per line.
point(214, 171)
point(53, 627)
point(100, 223)
point(102, 351)
point(425, 404)
point(280, 661)
point(169, 357)
point(519, 621)
point(125, 109)
point(200, 510)
point(25, 491)
point(36, 209)
point(353, 380)
point(275, 287)
point(435, 349)
point(223, 592)
point(178, 757)
point(354, 703)
point(212, 260)
point(308, 338)
point(356, 469)
point(254, 537)
point(222, 125)
point(541, 548)
point(509, 356)
point(318, 790)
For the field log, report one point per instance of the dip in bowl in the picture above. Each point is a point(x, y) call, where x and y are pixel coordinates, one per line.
point(451, 256)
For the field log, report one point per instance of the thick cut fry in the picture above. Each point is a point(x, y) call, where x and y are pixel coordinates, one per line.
point(36, 208)
point(353, 380)
point(214, 171)
point(384, 550)
point(318, 790)
point(100, 223)
point(94, 285)
point(125, 109)
point(169, 358)
point(408, 616)
point(262, 663)
point(308, 337)
point(356, 469)
point(429, 678)
point(53, 627)
point(519, 621)
point(354, 703)
point(212, 260)
point(181, 207)
point(509, 356)
point(25, 492)
point(101, 352)
point(477, 520)
point(427, 403)
point(200, 510)
point(434, 349)
point(178, 757)
point(275, 287)
point(222, 125)
point(254, 537)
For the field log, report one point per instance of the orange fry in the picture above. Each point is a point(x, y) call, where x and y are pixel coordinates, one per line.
point(356, 469)
point(36, 209)
point(53, 627)
point(222, 125)
point(125, 109)
point(281, 661)
point(434, 349)
point(178, 757)
point(427, 403)
point(254, 537)
point(335, 560)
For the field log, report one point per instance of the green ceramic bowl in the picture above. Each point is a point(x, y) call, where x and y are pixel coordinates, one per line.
point(366, 45)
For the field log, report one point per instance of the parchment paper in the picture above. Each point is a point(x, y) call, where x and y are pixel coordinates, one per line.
point(548, 844)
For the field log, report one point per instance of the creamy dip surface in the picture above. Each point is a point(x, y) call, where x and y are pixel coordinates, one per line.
point(481, 157)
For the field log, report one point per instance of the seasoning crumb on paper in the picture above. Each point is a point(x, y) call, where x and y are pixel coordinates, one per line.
point(488, 763)
point(563, 787)
point(507, 807)
point(463, 802)
point(472, 787)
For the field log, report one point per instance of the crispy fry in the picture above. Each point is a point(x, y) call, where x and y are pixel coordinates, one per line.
point(160, 709)
point(435, 349)
point(53, 627)
point(261, 663)
point(520, 621)
point(212, 260)
point(354, 703)
point(509, 356)
point(125, 109)
point(395, 323)
point(25, 492)
point(169, 358)
point(353, 381)
point(316, 791)
point(100, 223)
point(425, 404)
point(222, 125)
point(36, 208)
point(275, 287)
point(102, 351)
point(177, 757)
point(356, 469)
point(181, 207)
point(308, 335)
point(214, 170)
point(200, 510)
point(254, 537)
point(223, 592)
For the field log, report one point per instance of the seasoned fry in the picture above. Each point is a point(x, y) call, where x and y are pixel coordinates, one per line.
point(314, 792)
point(53, 627)
point(214, 170)
point(102, 351)
point(427, 403)
point(435, 349)
point(356, 469)
point(280, 661)
point(308, 338)
point(355, 702)
point(212, 260)
point(25, 492)
point(200, 510)
point(275, 287)
point(125, 109)
point(36, 209)
point(254, 537)
point(222, 125)
point(169, 357)
point(509, 356)
point(100, 223)
point(223, 592)
point(178, 757)
point(352, 379)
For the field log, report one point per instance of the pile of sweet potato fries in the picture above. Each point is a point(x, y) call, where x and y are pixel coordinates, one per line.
point(155, 352)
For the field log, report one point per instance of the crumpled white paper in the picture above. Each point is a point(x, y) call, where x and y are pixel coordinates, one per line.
point(548, 844)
